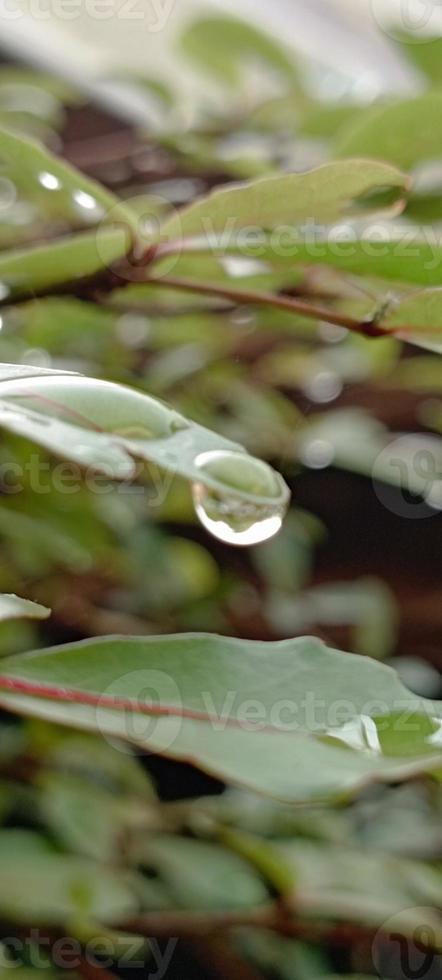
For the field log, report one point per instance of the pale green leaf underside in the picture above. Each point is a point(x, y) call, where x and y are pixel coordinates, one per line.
point(14, 607)
point(324, 195)
point(292, 719)
point(103, 426)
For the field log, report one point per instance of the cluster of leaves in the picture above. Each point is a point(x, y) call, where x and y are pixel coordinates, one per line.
point(249, 309)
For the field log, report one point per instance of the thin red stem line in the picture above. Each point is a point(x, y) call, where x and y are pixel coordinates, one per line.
point(50, 692)
point(368, 328)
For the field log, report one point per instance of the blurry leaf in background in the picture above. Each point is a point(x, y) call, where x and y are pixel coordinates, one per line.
point(420, 318)
point(201, 875)
point(39, 884)
point(405, 133)
point(224, 46)
point(367, 608)
point(427, 57)
point(327, 194)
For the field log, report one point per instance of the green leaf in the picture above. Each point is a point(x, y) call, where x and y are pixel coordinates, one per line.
point(102, 425)
point(42, 886)
point(13, 607)
point(338, 883)
point(30, 270)
point(222, 46)
point(405, 133)
point(406, 259)
point(85, 818)
point(417, 319)
point(201, 875)
point(293, 719)
point(426, 56)
point(324, 195)
point(40, 176)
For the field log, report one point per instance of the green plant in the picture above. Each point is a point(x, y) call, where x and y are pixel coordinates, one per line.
point(290, 721)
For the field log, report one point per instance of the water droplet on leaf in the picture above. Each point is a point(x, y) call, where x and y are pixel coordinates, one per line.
point(86, 203)
point(241, 500)
point(49, 181)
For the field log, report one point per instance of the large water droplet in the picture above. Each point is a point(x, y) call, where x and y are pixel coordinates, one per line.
point(241, 501)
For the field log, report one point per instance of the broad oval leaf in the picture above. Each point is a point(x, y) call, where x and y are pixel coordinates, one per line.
point(293, 719)
point(324, 195)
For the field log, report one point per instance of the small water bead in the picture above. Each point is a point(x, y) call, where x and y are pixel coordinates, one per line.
point(241, 500)
point(88, 206)
point(49, 181)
